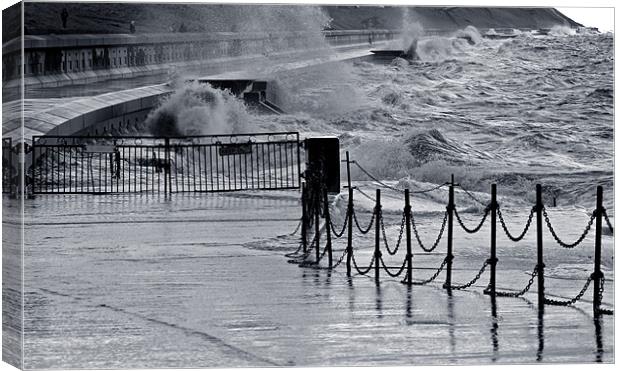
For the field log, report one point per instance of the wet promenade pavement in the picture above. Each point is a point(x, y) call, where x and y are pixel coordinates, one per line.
point(127, 281)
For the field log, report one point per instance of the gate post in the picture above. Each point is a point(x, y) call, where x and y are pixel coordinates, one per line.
point(317, 215)
point(304, 217)
point(377, 234)
point(449, 255)
point(596, 302)
point(539, 244)
point(350, 229)
point(327, 227)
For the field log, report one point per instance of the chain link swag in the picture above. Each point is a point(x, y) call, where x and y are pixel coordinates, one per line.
point(400, 235)
point(417, 235)
point(476, 278)
point(516, 294)
point(477, 228)
point(557, 238)
point(505, 227)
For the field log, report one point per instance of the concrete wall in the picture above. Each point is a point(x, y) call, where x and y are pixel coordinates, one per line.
point(130, 108)
point(71, 58)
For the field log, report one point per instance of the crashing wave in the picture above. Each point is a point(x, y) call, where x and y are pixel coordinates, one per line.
point(559, 30)
point(199, 109)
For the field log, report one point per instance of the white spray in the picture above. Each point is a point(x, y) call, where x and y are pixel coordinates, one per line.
point(199, 109)
point(412, 33)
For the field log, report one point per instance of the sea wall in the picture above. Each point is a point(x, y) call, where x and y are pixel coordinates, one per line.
point(57, 60)
point(119, 112)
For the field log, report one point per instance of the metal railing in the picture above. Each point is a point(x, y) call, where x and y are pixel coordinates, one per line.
point(214, 163)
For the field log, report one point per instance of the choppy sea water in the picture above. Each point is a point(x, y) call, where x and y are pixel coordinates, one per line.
point(515, 112)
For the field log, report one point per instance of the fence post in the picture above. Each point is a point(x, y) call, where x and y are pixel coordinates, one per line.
point(22, 171)
point(449, 255)
point(493, 258)
point(348, 171)
point(539, 244)
point(327, 227)
point(317, 215)
point(24, 183)
point(111, 156)
point(304, 217)
point(167, 168)
point(596, 302)
point(350, 230)
point(377, 234)
point(409, 256)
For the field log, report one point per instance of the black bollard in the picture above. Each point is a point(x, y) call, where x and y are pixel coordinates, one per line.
point(449, 255)
point(377, 234)
point(304, 218)
point(327, 227)
point(493, 258)
point(408, 236)
point(539, 244)
point(596, 302)
point(350, 232)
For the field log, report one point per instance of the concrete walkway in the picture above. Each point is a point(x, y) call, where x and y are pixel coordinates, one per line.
point(127, 281)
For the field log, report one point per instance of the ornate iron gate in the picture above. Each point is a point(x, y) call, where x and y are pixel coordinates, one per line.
point(216, 163)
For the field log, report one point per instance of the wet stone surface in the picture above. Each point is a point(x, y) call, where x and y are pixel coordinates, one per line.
point(202, 281)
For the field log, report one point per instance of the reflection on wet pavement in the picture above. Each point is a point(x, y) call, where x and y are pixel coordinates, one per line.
point(150, 290)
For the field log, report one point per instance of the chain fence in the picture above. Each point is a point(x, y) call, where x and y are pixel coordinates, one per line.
point(505, 226)
point(340, 260)
point(565, 303)
point(470, 195)
point(417, 234)
point(474, 280)
point(365, 271)
point(378, 262)
point(557, 238)
point(384, 185)
point(370, 224)
point(600, 295)
point(478, 227)
point(387, 270)
point(344, 226)
point(294, 232)
point(516, 294)
point(366, 195)
point(434, 276)
point(400, 235)
point(611, 228)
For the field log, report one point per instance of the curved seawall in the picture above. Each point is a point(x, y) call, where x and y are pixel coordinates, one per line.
point(117, 111)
